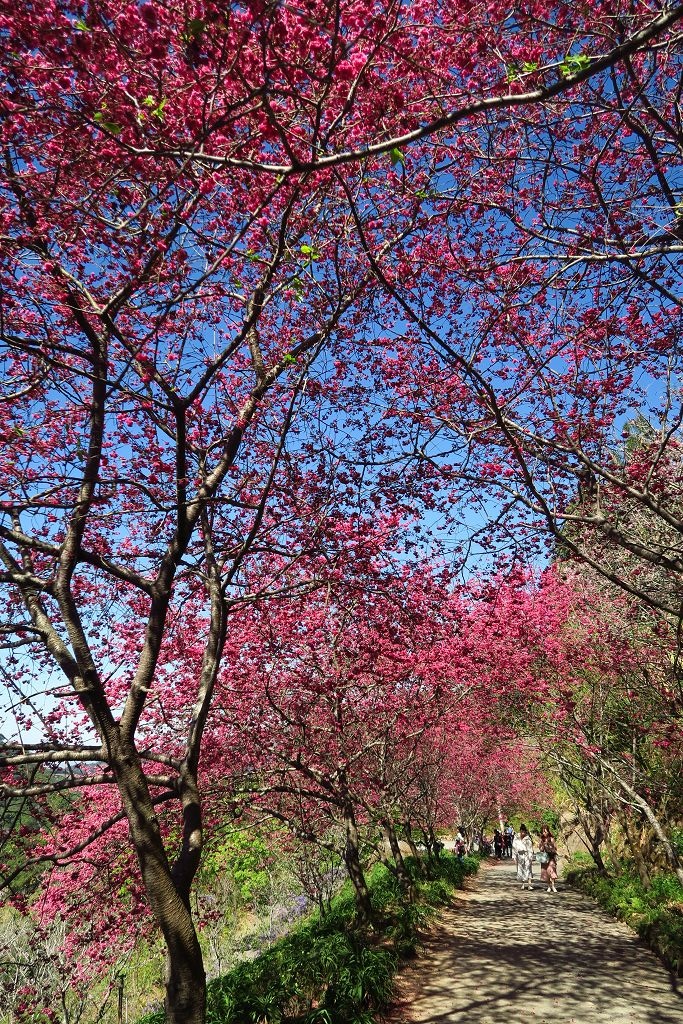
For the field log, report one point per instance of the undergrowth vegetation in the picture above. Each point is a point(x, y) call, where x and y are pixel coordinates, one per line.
point(655, 913)
point(334, 969)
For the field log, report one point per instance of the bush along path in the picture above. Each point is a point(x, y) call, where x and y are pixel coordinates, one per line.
point(655, 913)
point(503, 954)
point(331, 970)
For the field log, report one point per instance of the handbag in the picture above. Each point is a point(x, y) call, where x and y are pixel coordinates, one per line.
point(543, 857)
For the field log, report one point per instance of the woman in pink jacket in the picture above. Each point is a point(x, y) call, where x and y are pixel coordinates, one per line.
point(548, 857)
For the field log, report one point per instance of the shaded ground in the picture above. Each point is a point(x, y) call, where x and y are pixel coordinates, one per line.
point(506, 955)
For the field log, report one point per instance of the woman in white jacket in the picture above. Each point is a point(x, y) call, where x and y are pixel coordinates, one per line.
point(523, 852)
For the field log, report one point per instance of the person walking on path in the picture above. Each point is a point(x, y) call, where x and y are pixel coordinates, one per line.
point(508, 836)
point(548, 856)
point(498, 843)
point(523, 849)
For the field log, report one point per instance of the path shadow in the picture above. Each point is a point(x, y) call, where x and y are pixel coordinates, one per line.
point(504, 954)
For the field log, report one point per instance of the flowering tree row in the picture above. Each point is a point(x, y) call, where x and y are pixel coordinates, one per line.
point(365, 717)
point(274, 279)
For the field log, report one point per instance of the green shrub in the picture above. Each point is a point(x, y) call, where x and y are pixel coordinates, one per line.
point(244, 856)
point(345, 977)
point(341, 912)
point(327, 971)
point(655, 913)
point(408, 920)
point(437, 891)
point(454, 870)
point(665, 889)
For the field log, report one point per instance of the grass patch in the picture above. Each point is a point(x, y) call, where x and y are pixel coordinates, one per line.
point(656, 914)
point(329, 970)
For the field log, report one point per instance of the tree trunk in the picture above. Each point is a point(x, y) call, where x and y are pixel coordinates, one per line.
point(593, 831)
point(404, 878)
point(415, 853)
point(609, 849)
point(429, 841)
point(668, 847)
point(185, 979)
point(355, 868)
point(435, 844)
point(634, 847)
point(596, 854)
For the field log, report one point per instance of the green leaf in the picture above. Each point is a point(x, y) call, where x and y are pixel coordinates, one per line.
point(81, 26)
point(288, 359)
point(110, 126)
point(310, 251)
point(397, 156)
point(195, 27)
point(514, 72)
point(573, 63)
point(156, 108)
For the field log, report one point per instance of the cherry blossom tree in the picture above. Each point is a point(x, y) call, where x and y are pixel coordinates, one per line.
point(341, 688)
point(545, 291)
point(388, 704)
point(219, 223)
point(490, 775)
point(612, 729)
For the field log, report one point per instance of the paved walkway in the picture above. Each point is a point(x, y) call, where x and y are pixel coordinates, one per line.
point(503, 955)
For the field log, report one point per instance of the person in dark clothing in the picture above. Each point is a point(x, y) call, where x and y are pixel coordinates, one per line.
point(498, 843)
